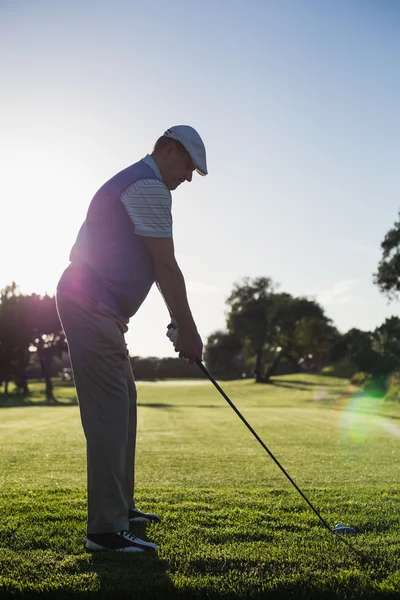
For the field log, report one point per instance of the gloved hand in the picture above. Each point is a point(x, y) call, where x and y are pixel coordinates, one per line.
point(173, 331)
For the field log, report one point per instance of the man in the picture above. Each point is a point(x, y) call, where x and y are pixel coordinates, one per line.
point(124, 245)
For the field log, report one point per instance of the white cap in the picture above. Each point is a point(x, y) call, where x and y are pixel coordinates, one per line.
point(192, 142)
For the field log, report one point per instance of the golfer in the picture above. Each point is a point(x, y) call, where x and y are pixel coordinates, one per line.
point(124, 246)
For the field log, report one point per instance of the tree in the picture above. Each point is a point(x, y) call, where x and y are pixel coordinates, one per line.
point(357, 346)
point(387, 278)
point(272, 326)
point(145, 368)
point(386, 343)
point(313, 339)
point(223, 355)
point(152, 368)
point(7, 352)
point(15, 334)
point(170, 367)
point(29, 324)
point(293, 318)
point(250, 317)
point(48, 339)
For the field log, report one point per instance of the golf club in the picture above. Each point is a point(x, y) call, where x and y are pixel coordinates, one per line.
point(339, 528)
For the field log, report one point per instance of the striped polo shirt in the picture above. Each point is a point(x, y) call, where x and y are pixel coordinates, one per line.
point(148, 203)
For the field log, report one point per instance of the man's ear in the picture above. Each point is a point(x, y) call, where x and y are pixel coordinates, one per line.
point(169, 148)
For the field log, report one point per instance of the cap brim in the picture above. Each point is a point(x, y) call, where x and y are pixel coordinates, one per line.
point(201, 172)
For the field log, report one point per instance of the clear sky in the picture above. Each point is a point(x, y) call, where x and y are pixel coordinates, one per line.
point(297, 102)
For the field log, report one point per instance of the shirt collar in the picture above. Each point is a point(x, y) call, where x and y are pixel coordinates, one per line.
point(152, 163)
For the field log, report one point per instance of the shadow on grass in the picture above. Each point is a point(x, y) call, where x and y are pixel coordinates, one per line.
point(305, 384)
point(314, 383)
point(18, 400)
point(158, 405)
point(146, 576)
point(42, 532)
point(14, 400)
point(178, 407)
point(131, 575)
point(42, 553)
point(278, 383)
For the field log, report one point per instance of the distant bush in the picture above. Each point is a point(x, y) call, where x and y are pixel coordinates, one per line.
point(379, 386)
point(342, 368)
point(151, 368)
point(360, 378)
point(376, 386)
point(393, 387)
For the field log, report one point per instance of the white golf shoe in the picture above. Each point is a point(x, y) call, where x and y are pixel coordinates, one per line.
point(122, 541)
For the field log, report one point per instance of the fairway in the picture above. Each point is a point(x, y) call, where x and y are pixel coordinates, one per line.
point(232, 525)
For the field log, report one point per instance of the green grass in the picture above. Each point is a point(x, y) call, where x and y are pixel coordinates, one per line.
point(233, 526)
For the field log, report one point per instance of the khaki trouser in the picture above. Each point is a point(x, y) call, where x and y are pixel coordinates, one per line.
point(107, 401)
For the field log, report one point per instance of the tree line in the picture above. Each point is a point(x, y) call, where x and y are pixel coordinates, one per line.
point(33, 346)
point(266, 329)
point(267, 332)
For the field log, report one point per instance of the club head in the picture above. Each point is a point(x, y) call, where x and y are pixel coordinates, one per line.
point(344, 529)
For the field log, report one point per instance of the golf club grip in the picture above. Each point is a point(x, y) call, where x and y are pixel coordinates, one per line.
point(221, 391)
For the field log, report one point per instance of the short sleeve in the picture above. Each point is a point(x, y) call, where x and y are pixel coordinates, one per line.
point(148, 204)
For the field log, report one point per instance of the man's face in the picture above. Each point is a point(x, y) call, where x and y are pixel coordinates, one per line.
point(177, 166)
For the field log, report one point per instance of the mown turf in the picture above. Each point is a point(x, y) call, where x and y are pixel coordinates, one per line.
point(233, 526)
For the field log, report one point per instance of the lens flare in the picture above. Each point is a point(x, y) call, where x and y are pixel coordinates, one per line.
point(360, 418)
point(321, 394)
point(390, 427)
point(353, 422)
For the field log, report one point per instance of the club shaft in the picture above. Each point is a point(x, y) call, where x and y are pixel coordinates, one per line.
point(239, 414)
point(221, 391)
